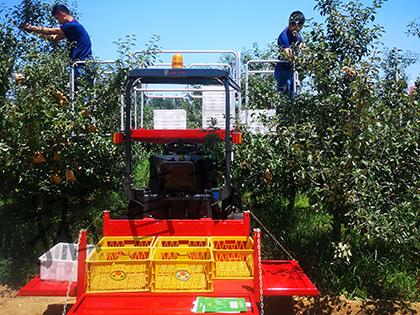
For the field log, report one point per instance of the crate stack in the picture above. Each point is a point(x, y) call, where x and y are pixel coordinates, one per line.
point(167, 264)
point(214, 107)
point(182, 265)
point(234, 257)
point(120, 264)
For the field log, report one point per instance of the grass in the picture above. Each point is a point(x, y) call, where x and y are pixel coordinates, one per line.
point(376, 269)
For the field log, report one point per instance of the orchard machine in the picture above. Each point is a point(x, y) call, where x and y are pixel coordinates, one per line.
point(185, 245)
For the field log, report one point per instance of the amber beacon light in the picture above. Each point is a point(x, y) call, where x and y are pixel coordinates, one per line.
point(177, 61)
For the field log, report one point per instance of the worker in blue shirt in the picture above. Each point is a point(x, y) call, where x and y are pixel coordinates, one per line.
point(288, 40)
point(77, 38)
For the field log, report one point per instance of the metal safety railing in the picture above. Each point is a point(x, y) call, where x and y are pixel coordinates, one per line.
point(249, 71)
point(72, 84)
point(146, 91)
point(234, 69)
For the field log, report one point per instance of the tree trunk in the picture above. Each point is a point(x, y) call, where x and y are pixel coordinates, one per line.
point(336, 227)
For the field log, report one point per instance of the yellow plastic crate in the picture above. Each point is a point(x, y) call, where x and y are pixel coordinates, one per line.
point(233, 256)
point(182, 269)
point(137, 241)
point(231, 243)
point(168, 241)
point(115, 269)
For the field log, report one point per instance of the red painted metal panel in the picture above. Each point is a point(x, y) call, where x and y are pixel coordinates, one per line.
point(146, 304)
point(38, 287)
point(162, 136)
point(285, 277)
point(81, 265)
point(257, 262)
point(233, 286)
point(152, 227)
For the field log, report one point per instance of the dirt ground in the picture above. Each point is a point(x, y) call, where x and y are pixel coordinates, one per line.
point(13, 304)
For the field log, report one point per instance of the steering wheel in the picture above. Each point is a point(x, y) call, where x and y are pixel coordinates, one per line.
point(182, 147)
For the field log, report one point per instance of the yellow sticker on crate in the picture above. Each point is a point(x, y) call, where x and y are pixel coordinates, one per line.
point(118, 275)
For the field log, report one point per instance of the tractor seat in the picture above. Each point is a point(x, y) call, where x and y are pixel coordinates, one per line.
point(177, 177)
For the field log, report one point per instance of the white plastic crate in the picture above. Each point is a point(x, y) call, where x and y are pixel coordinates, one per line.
point(58, 262)
point(253, 119)
point(214, 119)
point(169, 119)
point(214, 106)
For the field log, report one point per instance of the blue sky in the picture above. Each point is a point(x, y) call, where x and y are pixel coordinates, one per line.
point(219, 24)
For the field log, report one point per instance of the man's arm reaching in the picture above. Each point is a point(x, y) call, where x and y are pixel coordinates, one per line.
point(55, 34)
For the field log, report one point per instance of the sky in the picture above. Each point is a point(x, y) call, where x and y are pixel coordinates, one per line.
point(219, 24)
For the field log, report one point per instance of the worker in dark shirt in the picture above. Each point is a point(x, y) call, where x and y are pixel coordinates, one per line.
point(78, 39)
point(289, 40)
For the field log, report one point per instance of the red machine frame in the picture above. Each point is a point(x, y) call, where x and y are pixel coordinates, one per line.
point(281, 278)
point(270, 278)
point(278, 277)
